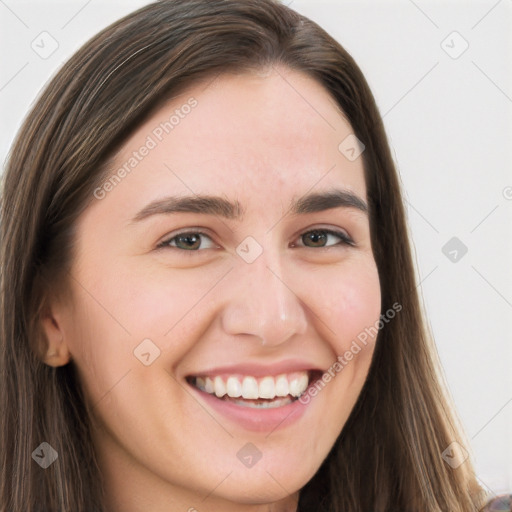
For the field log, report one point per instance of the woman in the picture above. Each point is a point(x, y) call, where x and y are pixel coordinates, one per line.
point(170, 338)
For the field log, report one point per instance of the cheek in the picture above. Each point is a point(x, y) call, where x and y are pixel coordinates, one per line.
point(153, 299)
point(100, 347)
point(119, 308)
point(349, 303)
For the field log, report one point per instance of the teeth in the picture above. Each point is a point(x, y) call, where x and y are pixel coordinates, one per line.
point(220, 388)
point(233, 387)
point(267, 388)
point(282, 388)
point(298, 385)
point(270, 404)
point(208, 385)
point(249, 388)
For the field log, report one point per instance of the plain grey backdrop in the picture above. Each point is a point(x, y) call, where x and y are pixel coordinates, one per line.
point(441, 73)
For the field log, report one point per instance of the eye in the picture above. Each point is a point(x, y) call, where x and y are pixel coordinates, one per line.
point(192, 240)
point(320, 236)
point(188, 241)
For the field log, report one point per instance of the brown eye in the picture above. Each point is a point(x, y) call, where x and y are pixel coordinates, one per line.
point(319, 238)
point(187, 241)
point(192, 241)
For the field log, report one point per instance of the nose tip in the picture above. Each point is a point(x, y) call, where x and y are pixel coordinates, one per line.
point(264, 306)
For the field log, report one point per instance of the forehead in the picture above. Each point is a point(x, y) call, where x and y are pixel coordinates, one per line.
point(263, 138)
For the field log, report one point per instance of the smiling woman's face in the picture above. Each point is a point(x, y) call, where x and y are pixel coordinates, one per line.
point(252, 291)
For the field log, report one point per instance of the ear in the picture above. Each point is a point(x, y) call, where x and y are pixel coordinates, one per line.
point(56, 352)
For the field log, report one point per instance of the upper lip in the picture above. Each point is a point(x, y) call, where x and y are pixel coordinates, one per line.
point(261, 370)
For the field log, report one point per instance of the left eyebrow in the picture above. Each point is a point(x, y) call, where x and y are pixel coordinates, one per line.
point(219, 206)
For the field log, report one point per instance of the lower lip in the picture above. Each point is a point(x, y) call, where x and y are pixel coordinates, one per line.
point(255, 419)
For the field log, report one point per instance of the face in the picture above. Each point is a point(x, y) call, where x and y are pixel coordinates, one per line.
point(180, 307)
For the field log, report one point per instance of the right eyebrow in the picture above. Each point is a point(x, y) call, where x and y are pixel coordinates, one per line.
point(219, 206)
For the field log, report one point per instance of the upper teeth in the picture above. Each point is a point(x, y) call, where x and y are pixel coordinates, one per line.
point(249, 387)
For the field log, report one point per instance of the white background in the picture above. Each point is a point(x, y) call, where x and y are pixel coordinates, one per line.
point(449, 121)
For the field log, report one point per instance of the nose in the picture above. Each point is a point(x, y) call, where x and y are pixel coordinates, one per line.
point(264, 301)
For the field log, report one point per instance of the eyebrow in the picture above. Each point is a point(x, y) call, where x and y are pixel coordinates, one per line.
point(219, 206)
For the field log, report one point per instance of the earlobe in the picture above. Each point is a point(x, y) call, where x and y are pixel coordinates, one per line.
point(59, 357)
point(56, 352)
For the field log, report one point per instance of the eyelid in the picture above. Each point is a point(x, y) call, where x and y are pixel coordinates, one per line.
point(192, 230)
point(342, 234)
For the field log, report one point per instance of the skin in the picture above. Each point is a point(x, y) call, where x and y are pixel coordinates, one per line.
point(159, 448)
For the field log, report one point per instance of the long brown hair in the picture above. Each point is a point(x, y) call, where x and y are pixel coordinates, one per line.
point(389, 454)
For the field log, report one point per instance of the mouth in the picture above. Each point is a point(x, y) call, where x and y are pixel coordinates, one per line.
point(266, 392)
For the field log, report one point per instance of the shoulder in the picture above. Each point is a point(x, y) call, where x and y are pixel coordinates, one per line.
point(501, 503)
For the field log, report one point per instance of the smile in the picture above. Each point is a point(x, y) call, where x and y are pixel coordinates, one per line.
point(262, 393)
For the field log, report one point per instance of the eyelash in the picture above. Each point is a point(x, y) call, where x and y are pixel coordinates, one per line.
point(345, 239)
